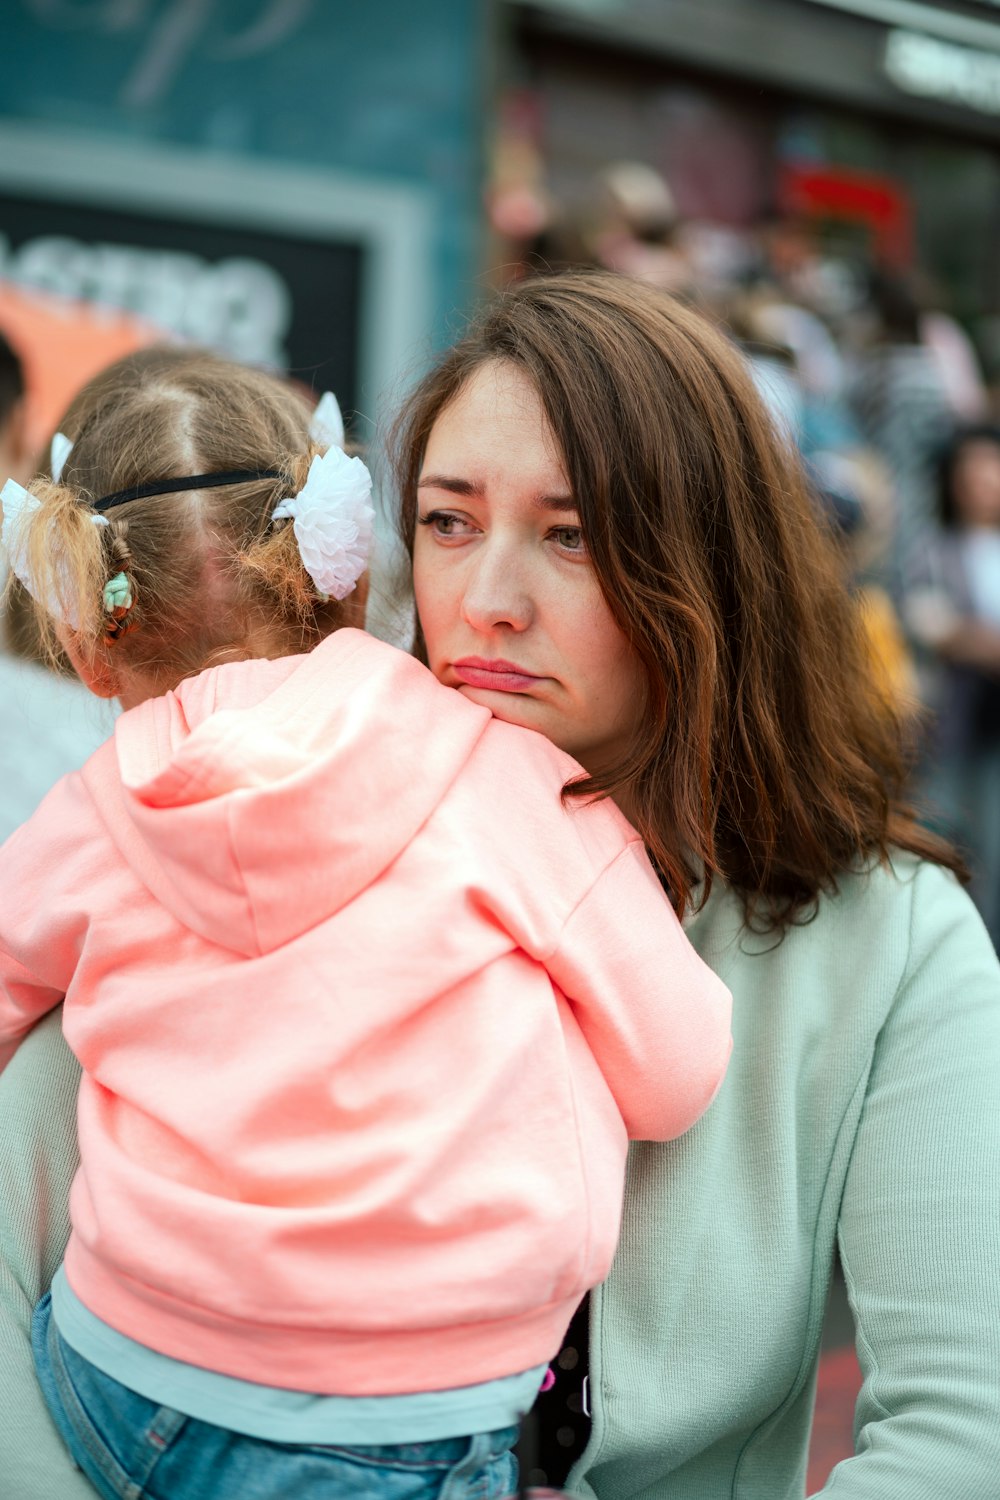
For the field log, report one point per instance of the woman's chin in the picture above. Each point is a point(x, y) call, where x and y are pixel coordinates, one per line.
point(512, 708)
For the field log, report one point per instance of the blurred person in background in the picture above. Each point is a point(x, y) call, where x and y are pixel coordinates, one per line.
point(799, 373)
point(861, 537)
point(954, 353)
point(15, 449)
point(638, 227)
point(50, 723)
point(903, 408)
point(952, 609)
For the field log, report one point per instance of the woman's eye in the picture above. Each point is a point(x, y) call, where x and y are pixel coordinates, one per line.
point(569, 538)
point(444, 524)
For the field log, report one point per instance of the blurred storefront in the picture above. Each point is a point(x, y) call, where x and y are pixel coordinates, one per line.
point(876, 120)
point(294, 182)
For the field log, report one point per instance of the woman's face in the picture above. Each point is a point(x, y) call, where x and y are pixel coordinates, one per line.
point(975, 483)
point(510, 606)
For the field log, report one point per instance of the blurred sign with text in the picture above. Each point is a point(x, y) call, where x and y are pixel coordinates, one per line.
point(936, 69)
point(257, 296)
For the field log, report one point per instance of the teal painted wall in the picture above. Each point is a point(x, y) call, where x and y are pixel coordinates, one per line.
point(388, 89)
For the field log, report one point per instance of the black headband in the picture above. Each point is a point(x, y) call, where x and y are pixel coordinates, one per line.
point(192, 482)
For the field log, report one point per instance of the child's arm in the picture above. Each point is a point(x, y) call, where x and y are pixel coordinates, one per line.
point(48, 872)
point(655, 1017)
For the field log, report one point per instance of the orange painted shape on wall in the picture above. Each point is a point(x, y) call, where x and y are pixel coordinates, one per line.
point(62, 343)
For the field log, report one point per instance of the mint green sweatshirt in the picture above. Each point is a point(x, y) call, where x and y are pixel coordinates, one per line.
point(862, 1102)
point(861, 1108)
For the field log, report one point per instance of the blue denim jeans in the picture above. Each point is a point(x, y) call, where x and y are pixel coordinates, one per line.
point(131, 1449)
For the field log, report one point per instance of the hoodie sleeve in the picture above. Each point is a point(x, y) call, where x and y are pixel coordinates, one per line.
point(655, 1017)
point(50, 869)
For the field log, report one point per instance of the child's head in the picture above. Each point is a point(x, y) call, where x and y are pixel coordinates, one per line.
point(178, 581)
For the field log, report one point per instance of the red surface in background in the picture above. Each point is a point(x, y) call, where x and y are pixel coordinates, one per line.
point(61, 344)
point(880, 203)
point(832, 1433)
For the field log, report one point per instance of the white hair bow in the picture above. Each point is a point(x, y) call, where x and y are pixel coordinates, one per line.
point(332, 512)
point(332, 515)
point(327, 425)
point(19, 505)
point(59, 450)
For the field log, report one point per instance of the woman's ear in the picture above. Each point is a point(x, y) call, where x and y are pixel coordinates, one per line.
point(355, 604)
point(95, 669)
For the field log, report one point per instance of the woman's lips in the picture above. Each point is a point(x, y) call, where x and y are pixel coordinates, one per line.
point(500, 676)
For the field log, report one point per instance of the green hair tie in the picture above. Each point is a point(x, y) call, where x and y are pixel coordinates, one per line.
point(117, 594)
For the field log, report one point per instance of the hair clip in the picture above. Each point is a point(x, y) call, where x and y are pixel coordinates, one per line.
point(332, 514)
point(117, 596)
point(119, 601)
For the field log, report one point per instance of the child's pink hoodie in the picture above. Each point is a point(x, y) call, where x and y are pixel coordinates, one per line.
point(365, 1016)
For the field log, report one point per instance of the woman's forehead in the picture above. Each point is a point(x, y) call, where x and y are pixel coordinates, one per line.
point(496, 424)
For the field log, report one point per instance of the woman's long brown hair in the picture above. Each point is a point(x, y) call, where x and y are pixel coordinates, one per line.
point(767, 757)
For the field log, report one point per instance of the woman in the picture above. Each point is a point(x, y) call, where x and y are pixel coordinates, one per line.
point(610, 547)
point(952, 607)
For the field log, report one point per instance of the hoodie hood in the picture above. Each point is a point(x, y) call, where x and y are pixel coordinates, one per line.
point(260, 797)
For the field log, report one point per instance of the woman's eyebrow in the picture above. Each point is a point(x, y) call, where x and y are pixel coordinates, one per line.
point(446, 482)
point(456, 486)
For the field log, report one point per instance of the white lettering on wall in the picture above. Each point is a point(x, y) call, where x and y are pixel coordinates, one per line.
point(239, 306)
point(928, 20)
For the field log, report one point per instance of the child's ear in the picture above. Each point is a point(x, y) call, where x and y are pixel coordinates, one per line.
point(95, 669)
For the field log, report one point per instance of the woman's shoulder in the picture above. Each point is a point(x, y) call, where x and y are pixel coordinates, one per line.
point(909, 894)
point(893, 890)
point(895, 964)
point(880, 929)
point(883, 892)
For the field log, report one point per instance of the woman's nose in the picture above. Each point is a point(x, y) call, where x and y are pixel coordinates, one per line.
point(496, 593)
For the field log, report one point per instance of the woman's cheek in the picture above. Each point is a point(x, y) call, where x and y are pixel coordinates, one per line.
point(429, 608)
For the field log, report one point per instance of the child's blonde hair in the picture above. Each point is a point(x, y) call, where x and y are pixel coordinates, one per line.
point(210, 576)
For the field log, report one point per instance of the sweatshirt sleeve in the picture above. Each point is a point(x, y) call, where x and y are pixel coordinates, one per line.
point(654, 1015)
point(920, 1221)
point(48, 868)
point(38, 1129)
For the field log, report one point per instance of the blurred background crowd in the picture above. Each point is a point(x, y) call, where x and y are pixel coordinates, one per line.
point(326, 188)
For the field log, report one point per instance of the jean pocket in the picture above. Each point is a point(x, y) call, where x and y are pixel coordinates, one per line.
point(474, 1468)
point(435, 1457)
point(115, 1436)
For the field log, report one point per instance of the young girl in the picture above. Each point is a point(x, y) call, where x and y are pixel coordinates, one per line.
point(365, 1008)
point(952, 607)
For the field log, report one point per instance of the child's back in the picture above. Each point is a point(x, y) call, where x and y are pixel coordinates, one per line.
point(312, 947)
